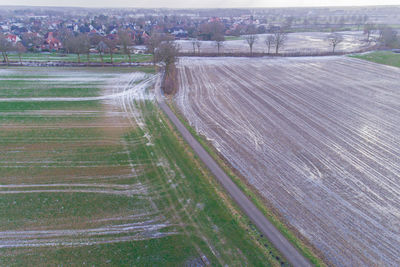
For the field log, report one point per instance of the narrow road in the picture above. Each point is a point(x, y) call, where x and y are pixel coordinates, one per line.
point(262, 223)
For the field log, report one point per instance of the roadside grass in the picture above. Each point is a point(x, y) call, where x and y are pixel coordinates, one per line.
point(206, 210)
point(266, 209)
point(382, 57)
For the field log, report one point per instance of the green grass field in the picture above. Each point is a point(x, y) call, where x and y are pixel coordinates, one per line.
point(382, 57)
point(233, 38)
point(55, 57)
point(82, 184)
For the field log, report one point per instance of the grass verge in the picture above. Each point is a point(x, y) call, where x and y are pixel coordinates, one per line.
point(382, 57)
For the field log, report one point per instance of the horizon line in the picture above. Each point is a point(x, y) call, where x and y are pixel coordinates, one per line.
point(196, 8)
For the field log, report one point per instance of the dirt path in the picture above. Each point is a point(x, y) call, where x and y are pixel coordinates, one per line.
point(262, 223)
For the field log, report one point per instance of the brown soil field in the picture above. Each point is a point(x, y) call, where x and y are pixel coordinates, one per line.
point(318, 137)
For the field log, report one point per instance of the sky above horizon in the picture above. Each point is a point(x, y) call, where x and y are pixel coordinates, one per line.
point(197, 3)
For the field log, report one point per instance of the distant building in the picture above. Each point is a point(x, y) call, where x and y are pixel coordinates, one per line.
point(51, 43)
point(178, 32)
point(13, 38)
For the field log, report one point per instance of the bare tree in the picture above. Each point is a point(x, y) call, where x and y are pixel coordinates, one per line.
point(280, 37)
point(70, 44)
point(95, 40)
point(193, 41)
point(334, 39)
point(198, 44)
point(270, 42)
point(250, 39)
point(211, 30)
point(167, 53)
point(78, 45)
point(20, 49)
point(125, 39)
point(64, 34)
point(83, 45)
point(5, 46)
point(219, 41)
point(111, 44)
point(368, 29)
point(388, 36)
point(153, 43)
point(102, 48)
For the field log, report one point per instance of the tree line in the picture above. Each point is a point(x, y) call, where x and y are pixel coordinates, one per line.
point(76, 43)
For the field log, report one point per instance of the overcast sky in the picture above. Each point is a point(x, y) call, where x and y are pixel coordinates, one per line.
point(198, 3)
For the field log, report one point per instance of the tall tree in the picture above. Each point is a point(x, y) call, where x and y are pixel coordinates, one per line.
point(154, 42)
point(211, 30)
point(270, 42)
point(70, 44)
point(20, 49)
point(32, 40)
point(111, 44)
point(334, 39)
point(5, 47)
point(280, 37)
point(388, 36)
point(83, 45)
point(102, 49)
point(198, 44)
point(167, 52)
point(251, 37)
point(219, 41)
point(125, 39)
point(194, 41)
point(368, 29)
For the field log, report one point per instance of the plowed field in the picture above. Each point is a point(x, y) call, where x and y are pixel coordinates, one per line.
point(318, 137)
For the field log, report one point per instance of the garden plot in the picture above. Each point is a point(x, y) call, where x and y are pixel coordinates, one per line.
point(91, 173)
point(319, 138)
point(302, 42)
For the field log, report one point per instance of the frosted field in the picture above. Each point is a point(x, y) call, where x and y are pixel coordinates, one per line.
point(310, 42)
point(318, 137)
point(55, 152)
point(92, 174)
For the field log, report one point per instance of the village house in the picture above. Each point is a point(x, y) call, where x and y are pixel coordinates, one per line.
point(51, 43)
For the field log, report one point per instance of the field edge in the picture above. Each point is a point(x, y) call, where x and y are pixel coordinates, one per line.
point(237, 214)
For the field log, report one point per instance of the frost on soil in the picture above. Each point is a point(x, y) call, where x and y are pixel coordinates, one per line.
point(318, 137)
